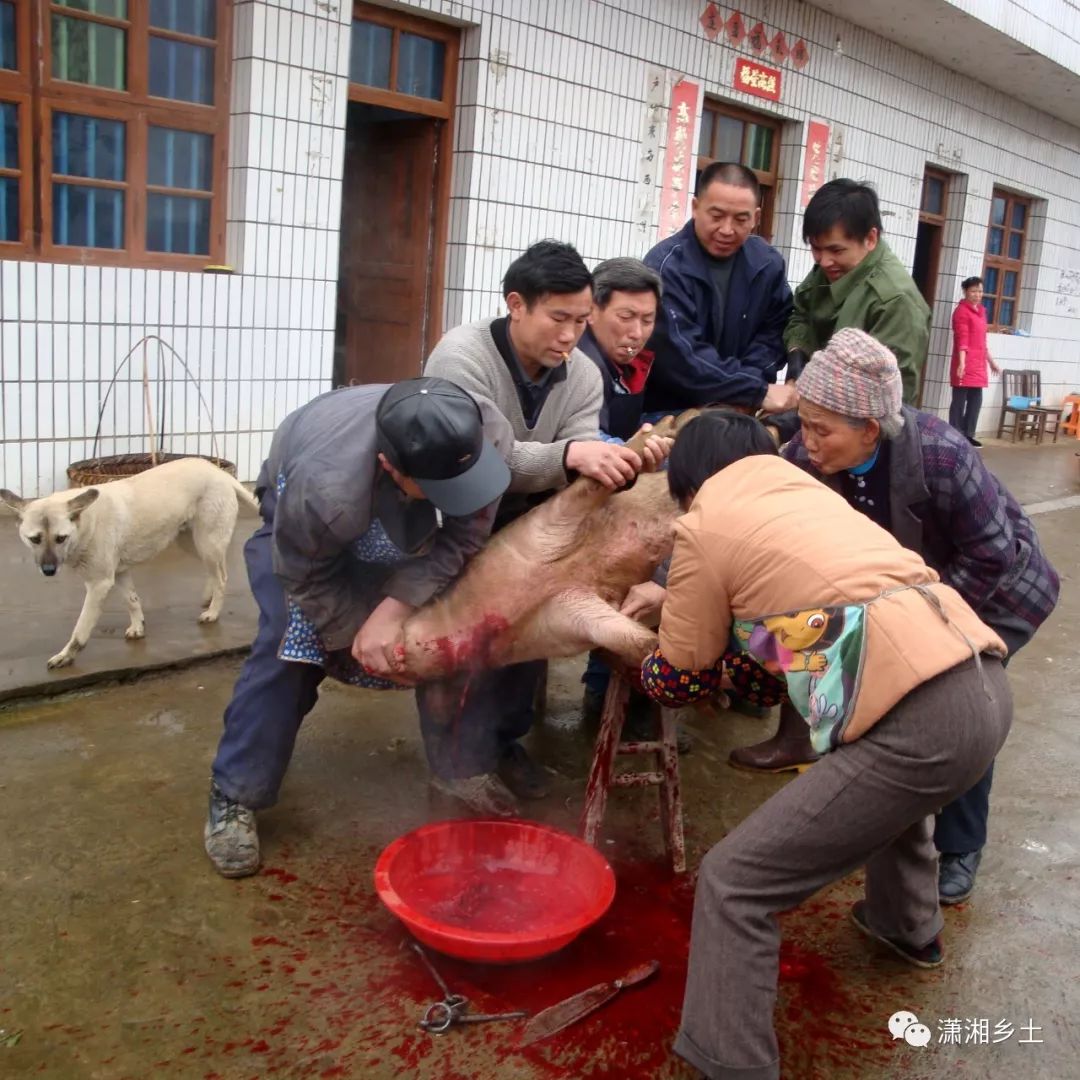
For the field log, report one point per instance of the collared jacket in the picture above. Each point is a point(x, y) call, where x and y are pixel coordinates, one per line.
point(947, 505)
point(878, 296)
point(698, 360)
point(323, 458)
point(624, 388)
point(969, 334)
point(469, 357)
point(769, 561)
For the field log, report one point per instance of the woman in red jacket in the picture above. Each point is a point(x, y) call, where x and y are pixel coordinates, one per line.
point(970, 359)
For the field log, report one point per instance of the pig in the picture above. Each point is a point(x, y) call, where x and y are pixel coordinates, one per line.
point(550, 584)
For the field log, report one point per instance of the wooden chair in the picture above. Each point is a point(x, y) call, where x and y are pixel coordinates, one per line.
point(1027, 419)
point(1051, 416)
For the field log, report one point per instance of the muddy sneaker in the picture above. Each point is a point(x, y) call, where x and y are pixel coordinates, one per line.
point(230, 837)
point(485, 795)
point(931, 955)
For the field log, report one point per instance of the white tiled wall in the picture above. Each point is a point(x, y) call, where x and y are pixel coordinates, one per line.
point(550, 106)
point(258, 342)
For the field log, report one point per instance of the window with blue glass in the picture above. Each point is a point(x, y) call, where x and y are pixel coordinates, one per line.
point(89, 173)
point(385, 56)
point(132, 102)
point(10, 173)
point(8, 49)
point(1006, 239)
point(181, 69)
point(14, 91)
point(369, 54)
point(420, 66)
point(178, 220)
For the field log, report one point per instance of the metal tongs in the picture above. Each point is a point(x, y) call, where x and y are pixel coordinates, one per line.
point(440, 1016)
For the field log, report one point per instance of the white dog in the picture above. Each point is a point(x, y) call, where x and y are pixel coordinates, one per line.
point(101, 532)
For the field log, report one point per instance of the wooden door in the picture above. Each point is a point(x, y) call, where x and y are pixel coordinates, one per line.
point(387, 248)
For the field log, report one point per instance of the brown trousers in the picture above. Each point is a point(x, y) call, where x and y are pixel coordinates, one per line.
point(869, 803)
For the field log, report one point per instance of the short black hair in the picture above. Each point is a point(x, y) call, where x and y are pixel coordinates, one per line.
point(548, 266)
point(970, 283)
point(623, 275)
point(728, 172)
point(711, 442)
point(846, 203)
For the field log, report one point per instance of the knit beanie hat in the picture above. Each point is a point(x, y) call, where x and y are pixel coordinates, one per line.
point(855, 376)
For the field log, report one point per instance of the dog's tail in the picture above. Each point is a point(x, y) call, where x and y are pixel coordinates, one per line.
point(243, 494)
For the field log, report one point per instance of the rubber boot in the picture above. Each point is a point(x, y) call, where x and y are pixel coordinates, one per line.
point(789, 750)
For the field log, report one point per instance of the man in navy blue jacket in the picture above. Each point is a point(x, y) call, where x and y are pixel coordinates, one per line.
point(726, 300)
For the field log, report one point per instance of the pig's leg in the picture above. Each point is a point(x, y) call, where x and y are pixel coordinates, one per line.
point(572, 622)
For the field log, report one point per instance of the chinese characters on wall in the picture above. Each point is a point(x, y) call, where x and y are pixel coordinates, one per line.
point(680, 163)
point(758, 38)
point(814, 160)
point(754, 78)
point(650, 156)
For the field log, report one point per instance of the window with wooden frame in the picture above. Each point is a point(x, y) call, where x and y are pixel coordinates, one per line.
point(749, 138)
point(1003, 264)
point(113, 130)
point(934, 200)
point(401, 62)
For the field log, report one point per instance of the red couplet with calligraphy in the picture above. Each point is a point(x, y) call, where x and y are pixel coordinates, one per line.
point(754, 78)
point(814, 164)
point(735, 28)
point(680, 161)
point(711, 22)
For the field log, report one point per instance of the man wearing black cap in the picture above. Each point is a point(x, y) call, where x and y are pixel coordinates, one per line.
point(372, 500)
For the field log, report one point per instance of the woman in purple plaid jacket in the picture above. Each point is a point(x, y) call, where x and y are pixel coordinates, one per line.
point(922, 481)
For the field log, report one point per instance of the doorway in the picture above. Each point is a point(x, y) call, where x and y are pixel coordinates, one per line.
point(388, 211)
point(395, 196)
point(933, 209)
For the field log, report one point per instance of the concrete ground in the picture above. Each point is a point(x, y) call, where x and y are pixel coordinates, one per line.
point(123, 955)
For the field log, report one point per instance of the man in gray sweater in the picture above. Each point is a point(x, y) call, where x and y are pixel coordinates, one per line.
point(527, 363)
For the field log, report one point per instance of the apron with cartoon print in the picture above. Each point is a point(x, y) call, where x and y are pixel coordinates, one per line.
point(820, 653)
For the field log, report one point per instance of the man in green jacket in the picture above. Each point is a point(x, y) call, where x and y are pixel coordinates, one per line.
point(857, 282)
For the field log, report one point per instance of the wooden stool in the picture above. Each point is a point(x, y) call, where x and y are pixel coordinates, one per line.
point(1071, 422)
point(602, 775)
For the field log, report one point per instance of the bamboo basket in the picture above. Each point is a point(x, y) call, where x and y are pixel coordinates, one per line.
point(102, 469)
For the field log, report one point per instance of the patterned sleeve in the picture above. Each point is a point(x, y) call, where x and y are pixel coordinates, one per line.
point(674, 687)
point(971, 511)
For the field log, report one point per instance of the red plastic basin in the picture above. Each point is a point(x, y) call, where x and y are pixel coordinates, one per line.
point(494, 891)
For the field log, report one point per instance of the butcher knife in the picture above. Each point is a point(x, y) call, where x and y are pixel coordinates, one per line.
point(556, 1017)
